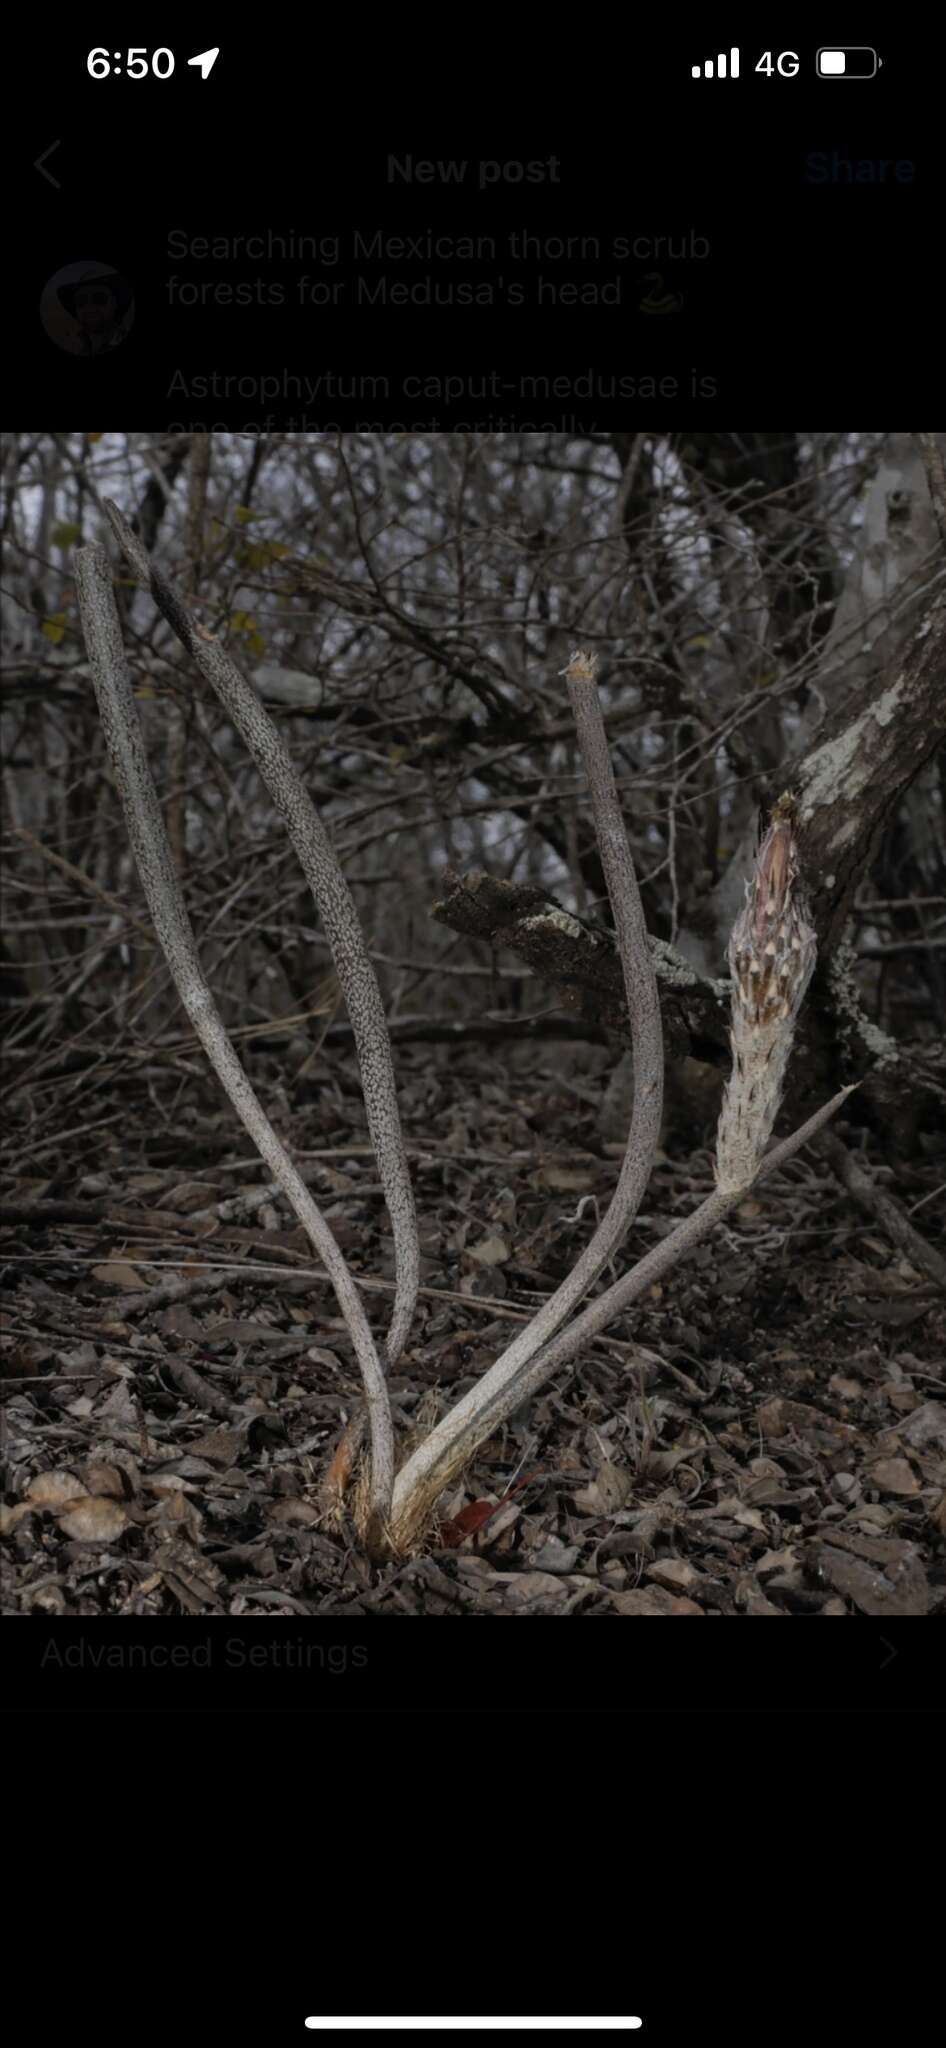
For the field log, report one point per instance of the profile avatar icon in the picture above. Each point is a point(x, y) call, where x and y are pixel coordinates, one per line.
point(88, 308)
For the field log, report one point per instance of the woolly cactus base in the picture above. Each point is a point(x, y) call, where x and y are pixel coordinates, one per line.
point(772, 955)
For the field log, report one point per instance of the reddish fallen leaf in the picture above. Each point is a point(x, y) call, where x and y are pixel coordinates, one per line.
point(476, 1515)
point(454, 1529)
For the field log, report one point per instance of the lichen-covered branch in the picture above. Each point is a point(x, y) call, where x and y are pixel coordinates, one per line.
point(582, 961)
point(868, 753)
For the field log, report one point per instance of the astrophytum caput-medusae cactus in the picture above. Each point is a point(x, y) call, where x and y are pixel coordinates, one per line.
point(772, 954)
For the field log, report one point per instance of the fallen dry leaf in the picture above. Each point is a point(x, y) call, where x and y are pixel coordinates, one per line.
point(51, 1489)
point(607, 1492)
point(291, 1512)
point(105, 1479)
point(118, 1273)
point(674, 1573)
point(653, 1600)
point(893, 1475)
point(492, 1251)
point(9, 1517)
point(926, 1425)
point(900, 1589)
point(93, 1520)
point(567, 1179)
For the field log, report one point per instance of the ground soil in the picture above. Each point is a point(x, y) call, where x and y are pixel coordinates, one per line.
point(764, 1434)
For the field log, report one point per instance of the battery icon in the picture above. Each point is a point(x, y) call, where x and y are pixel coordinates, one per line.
point(853, 61)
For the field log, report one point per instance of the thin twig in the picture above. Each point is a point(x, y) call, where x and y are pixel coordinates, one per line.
point(876, 1202)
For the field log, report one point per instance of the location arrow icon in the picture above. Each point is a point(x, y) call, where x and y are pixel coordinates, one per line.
point(206, 60)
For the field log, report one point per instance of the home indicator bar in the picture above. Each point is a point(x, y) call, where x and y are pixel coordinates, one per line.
point(472, 2025)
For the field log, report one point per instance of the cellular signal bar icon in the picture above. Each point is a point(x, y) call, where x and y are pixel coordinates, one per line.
point(717, 67)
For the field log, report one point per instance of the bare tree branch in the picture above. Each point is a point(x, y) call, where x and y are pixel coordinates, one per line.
point(581, 960)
